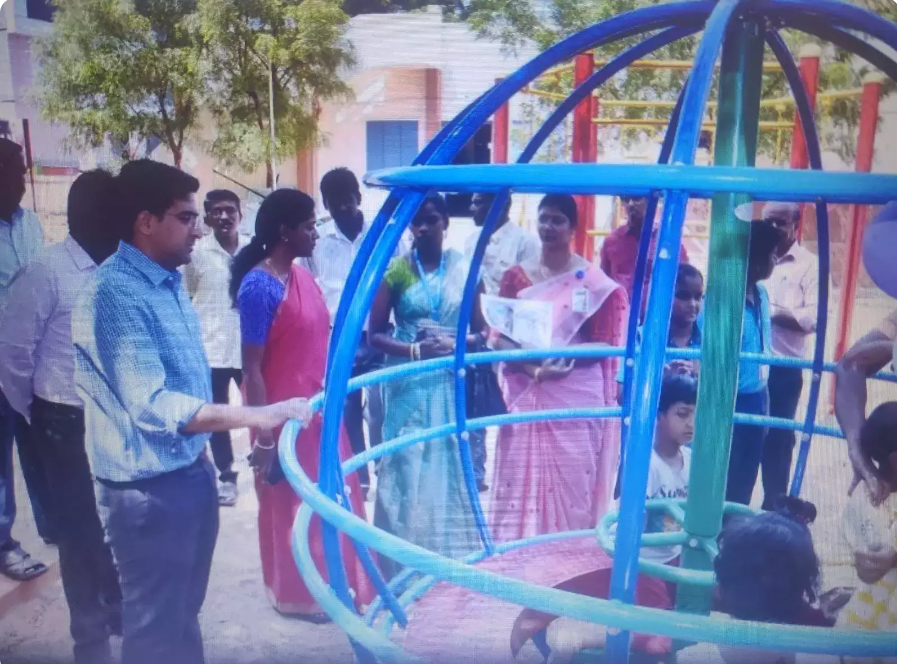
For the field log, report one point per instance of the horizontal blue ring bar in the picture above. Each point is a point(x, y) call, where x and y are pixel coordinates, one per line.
point(747, 634)
point(354, 627)
point(706, 579)
point(475, 558)
point(571, 352)
point(644, 180)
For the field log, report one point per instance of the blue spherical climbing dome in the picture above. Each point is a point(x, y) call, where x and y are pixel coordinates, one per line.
point(735, 37)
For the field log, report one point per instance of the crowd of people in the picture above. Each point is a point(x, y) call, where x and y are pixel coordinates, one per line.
point(119, 347)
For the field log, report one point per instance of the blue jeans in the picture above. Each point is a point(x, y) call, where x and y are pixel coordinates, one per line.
point(162, 532)
point(747, 448)
point(478, 454)
point(7, 490)
point(785, 386)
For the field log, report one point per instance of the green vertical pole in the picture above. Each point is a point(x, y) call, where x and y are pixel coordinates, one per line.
point(740, 79)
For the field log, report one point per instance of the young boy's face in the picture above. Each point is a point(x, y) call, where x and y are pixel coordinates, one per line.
point(678, 423)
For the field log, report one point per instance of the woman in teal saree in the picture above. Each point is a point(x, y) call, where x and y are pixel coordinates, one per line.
point(420, 490)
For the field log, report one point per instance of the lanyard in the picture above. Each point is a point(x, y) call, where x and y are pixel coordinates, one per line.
point(435, 301)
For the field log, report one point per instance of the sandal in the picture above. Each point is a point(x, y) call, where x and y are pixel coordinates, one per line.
point(20, 566)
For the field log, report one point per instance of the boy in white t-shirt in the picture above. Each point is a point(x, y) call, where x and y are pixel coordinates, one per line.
point(667, 478)
point(671, 457)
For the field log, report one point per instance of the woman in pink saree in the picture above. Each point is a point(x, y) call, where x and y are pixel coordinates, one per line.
point(555, 476)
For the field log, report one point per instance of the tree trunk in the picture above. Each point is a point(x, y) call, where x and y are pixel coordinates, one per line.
point(269, 176)
point(177, 154)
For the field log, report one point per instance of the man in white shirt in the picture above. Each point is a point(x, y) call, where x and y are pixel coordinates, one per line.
point(509, 245)
point(206, 279)
point(338, 244)
point(37, 370)
point(21, 239)
point(793, 295)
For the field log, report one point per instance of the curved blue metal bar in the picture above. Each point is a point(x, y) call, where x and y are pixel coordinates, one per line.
point(834, 12)
point(808, 123)
point(600, 77)
point(650, 363)
point(379, 224)
point(765, 636)
point(638, 284)
point(851, 17)
point(642, 179)
point(368, 244)
point(470, 288)
point(627, 25)
point(845, 40)
point(367, 640)
point(570, 352)
point(330, 475)
point(673, 507)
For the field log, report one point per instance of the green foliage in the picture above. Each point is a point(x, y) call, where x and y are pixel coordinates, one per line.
point(304, 44)
point(147, 68)
point(515, 23)
point(115, 69)
point(357, 7)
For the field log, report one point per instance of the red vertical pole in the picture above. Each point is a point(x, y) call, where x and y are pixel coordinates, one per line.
point(501, 124)
point(583, 131)
point(869, 104)
point(810, 55)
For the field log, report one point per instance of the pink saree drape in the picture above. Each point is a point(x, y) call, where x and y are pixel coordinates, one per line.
point(554, 476)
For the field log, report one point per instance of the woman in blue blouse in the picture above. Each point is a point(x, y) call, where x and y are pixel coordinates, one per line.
point(285, 327)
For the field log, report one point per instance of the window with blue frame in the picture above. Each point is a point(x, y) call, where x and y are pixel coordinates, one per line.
point(391, 143)
point(40, 10)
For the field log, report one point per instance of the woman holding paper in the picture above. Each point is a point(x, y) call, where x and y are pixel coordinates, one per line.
point(554, 476)
point(420, 490)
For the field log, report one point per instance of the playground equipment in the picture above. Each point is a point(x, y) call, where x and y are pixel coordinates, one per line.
point(585, 143)
point(739, 31)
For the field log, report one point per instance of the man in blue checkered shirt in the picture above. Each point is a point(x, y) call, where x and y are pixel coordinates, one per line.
point(143, 376)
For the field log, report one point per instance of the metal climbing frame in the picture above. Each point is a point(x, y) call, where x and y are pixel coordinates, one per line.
point(736, 28)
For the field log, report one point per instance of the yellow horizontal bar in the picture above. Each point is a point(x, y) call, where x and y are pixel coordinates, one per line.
point(660, 122)
point(680, 65)
point(766, 103)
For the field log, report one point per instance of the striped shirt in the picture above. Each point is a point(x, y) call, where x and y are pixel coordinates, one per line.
point(140, 368)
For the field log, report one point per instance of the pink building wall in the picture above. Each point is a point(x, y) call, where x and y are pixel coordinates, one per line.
point(398, 93)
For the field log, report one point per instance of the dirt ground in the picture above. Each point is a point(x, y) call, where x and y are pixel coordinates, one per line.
point(241, 628)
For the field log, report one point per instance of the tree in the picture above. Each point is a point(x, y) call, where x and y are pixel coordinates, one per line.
point(298, 46)
point(114, 69)
point(357, 7)
point(516, 23)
